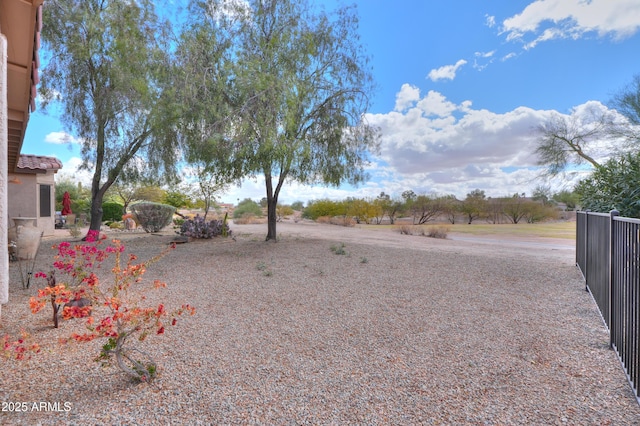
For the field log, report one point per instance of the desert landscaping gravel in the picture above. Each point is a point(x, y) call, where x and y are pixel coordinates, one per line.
point(398, 330)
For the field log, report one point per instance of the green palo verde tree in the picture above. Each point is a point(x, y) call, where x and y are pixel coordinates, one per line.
point(107, 69)
point(293, 85)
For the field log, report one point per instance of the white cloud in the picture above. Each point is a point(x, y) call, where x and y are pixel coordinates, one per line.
point(446, 72)
point(485, 54)
point(483, 59)
point(555, 19)
point(406, 96)
point(70, 170)
point(490, 21)
point(437, 145)
point(60, 138)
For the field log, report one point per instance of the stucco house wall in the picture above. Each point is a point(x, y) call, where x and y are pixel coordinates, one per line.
point(20, 26)
point(24, 199)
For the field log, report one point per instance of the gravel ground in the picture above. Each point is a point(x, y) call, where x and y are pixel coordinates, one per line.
point(399, 330)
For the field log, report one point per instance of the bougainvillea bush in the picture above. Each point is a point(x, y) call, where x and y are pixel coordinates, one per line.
point(113, 310)
point(199, 228)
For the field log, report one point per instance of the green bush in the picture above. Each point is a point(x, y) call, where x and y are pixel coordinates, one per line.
point(153, 216)
point(247, 206)
point(615, 185)
point(325, 207)
point(112, 212)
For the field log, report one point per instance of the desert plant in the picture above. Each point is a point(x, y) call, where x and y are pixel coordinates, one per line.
point(247, 206)
point(247, 219)
point(324, 219)
point(338, 249)
point(261, 266)
point(437, 232)
point(153, 216)
point(405, 229)
point(75, 230)
point(282, 211)
point(343, 221)
point(199, 228)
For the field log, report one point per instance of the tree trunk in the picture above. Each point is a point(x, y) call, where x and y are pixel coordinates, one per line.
point(272, 202)
point(96, 212)
point(272, 218)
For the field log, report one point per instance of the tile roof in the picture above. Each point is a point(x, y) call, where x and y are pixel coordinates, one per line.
point(38, 162)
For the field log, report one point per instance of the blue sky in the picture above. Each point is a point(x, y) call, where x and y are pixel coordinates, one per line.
point(461, 85)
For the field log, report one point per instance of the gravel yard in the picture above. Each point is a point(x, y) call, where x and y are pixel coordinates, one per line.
point(398, 330)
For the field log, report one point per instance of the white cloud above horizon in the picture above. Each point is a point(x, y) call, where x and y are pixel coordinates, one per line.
point(71, 171)
point(434, 145)
point(446, 72)
point(61, 138)
point(547, 20)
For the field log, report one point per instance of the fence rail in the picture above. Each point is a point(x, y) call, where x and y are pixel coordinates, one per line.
point(608, 255)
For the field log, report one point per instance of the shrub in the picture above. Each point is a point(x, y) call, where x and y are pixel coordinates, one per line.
point(297, 206)
point(247, 206)
point(283, 211)
point(338, 249)
point(153, 216)
point(406, 229)
point(248, 219)
point(343, 221)
point(199, 228)
point(112, 212)
point(324, 219)
point(437, 232)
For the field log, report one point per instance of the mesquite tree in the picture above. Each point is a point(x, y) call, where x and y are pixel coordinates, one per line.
point(291, 86)
point(565, 140)
point(107, 69)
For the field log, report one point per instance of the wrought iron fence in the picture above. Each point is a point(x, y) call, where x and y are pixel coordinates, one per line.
point(608, 255)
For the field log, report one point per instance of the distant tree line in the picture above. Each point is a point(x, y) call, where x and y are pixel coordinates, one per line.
point(425, 208)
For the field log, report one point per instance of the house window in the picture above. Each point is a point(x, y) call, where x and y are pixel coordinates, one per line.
point(45, 200)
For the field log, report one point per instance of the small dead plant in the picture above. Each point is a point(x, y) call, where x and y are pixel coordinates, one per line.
point(437, 232)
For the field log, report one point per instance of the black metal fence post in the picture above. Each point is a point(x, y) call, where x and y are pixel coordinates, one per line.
point(613, 239)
